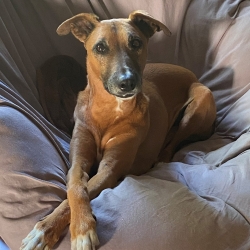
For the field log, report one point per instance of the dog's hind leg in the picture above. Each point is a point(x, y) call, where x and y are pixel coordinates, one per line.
point(197, 121)
point(46, 232)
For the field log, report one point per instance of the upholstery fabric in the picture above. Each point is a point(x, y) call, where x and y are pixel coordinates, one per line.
point(201, 199)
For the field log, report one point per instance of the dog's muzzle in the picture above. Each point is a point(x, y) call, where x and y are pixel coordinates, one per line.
point(125, 84)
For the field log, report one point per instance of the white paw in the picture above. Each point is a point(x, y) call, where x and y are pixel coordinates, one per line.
point(35, 240)
point(89, 241)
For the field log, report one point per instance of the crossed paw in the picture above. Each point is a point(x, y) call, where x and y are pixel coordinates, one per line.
point(39, 239)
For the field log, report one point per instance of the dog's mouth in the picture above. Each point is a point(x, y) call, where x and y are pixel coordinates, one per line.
point(124, 96)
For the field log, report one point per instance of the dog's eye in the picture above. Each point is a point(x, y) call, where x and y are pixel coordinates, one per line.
point(135, 43)
point(101, 48)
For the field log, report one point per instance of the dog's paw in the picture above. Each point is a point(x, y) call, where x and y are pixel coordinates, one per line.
point(88, 241)
point(35, 240)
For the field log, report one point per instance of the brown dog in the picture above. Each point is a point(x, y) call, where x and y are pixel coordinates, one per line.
point(124, 122)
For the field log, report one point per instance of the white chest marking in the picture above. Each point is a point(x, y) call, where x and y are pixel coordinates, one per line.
point(147, 98)
point(111, 139)
point(119, 103)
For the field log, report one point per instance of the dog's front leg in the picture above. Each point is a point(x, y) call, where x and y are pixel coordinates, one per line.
point(118, 157)
point(82, 157)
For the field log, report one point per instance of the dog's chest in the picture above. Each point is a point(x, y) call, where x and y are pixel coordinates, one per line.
point(107, 119)
point(104, 121)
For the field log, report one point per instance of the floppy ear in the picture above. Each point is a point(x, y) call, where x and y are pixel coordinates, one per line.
point(147, 24)
point(80, 25)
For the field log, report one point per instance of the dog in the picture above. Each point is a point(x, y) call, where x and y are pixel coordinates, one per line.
point(129, 117)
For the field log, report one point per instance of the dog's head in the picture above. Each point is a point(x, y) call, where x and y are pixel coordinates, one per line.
point(116, 48)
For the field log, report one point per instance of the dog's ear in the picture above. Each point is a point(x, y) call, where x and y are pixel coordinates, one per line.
point(147, 24)
point(80, 25)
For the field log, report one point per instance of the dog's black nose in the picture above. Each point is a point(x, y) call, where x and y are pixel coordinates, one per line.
point(127, 81)
point(127, 85)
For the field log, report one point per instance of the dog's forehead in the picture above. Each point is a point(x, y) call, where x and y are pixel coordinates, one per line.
point(116, 27)
point(116, 22)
